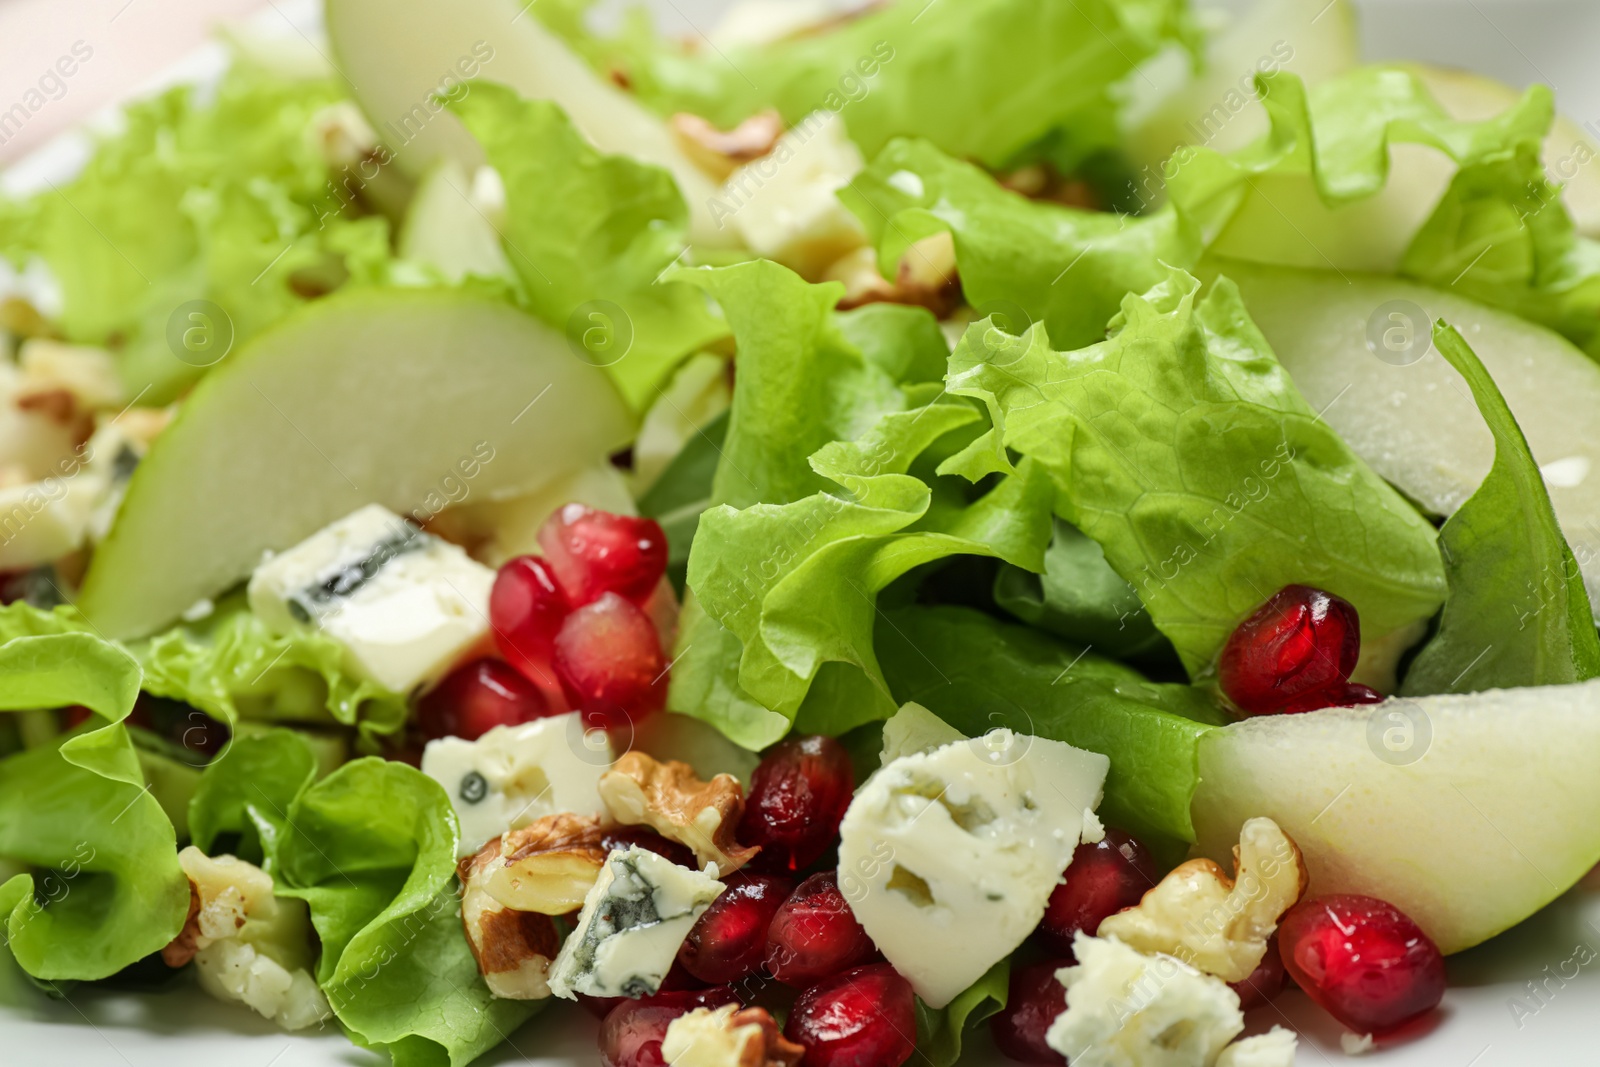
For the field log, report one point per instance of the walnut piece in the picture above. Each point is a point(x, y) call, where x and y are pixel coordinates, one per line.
point(925, 277)
point(513, 948)
point(548, 866)
point(672, 801)
point(721, 152)
point(224, 892)
point(1214, 923)
point(728, 1036)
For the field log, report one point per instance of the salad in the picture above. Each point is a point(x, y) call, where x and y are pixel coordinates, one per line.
point(847, 535)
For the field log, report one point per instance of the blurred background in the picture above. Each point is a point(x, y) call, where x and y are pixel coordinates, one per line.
point(131, 44)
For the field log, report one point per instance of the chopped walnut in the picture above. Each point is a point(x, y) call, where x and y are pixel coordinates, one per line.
point(224, 892)
point(926, 277)
point(546, 867)
point(721, 152)
point(513, 948)
point(671, 800)
point(67, 383)
point(728, 1036)
point(1212, 922)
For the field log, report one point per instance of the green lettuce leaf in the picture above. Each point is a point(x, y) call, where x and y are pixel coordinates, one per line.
point(371, 849)
point(1517, 613)
point(791, 578)
point(223, 198)
point(1181, 446)
point(246, 792)
point(1079, 597)
point(582, 228)
point(232, 667)
point(940, 1030)
point(106, 889)
point(983, 79)
point(1023, 260)
point(979, 674)
point(1317, 191)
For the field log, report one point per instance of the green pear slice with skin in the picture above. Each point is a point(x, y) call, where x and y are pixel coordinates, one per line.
point(405, 398)
point(445, 228)
point(397, 56)
point(1467, 812)
point(1415, 422)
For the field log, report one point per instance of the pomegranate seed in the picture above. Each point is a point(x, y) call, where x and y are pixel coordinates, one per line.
point(1302, 641)
point(526, 608)
point(798, 796)
point(609, 660)
point(729, 941)
point(475, 698)
point(1363, 960)
point(865, 1017)
point(632, 1032)
point(1265, 982)
point(815, 934)
point(1347, 696)
point(621, 837)
point(595, 552)
point(1035, 999)
point(1102, 879)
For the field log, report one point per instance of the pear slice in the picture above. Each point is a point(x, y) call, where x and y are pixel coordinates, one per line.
point(399, 55)
point(407, 398)
point(1469, 813)
point(1408, 413)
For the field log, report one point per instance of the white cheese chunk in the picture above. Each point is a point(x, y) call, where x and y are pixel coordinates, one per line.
point(784, 205)
point(913, 730)
point(631, 926)
point(514, 775)
point(1275, 1048)
point(404, 604)
point(1127, 1009)
point(948, 857)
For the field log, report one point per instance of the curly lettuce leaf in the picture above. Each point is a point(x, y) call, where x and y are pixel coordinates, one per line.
point(232, 666)
point(582, 227)
point(245, 795)
point(785, 584)
point(371, 849)
point(221, 197)
point(1517, 613)
point(983, 79)
point(1319, 191)
point(978, 674)
point(1024, 260)
point(106, 889)
point(1181, 446)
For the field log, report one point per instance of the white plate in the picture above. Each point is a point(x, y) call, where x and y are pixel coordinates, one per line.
point(1527, 998)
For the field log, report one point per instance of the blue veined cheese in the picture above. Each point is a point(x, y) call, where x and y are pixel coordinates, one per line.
point(404, 604)
point(948, 857)
point(515, 775)
point(631, 926)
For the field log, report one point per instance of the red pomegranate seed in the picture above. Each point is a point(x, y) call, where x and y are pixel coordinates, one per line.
point(1035, 999)
point(594, 552)
point(815, 934)
point(1102, 879)
point(798, 796)
point(620, 837)
point(609, 660)
point(526, 608)
point(1363, 960)
point(475, 698)
point(1302, 641)
point(729, 941)
point(1265, 982)
point(632, 1032)
point(865, 1017)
